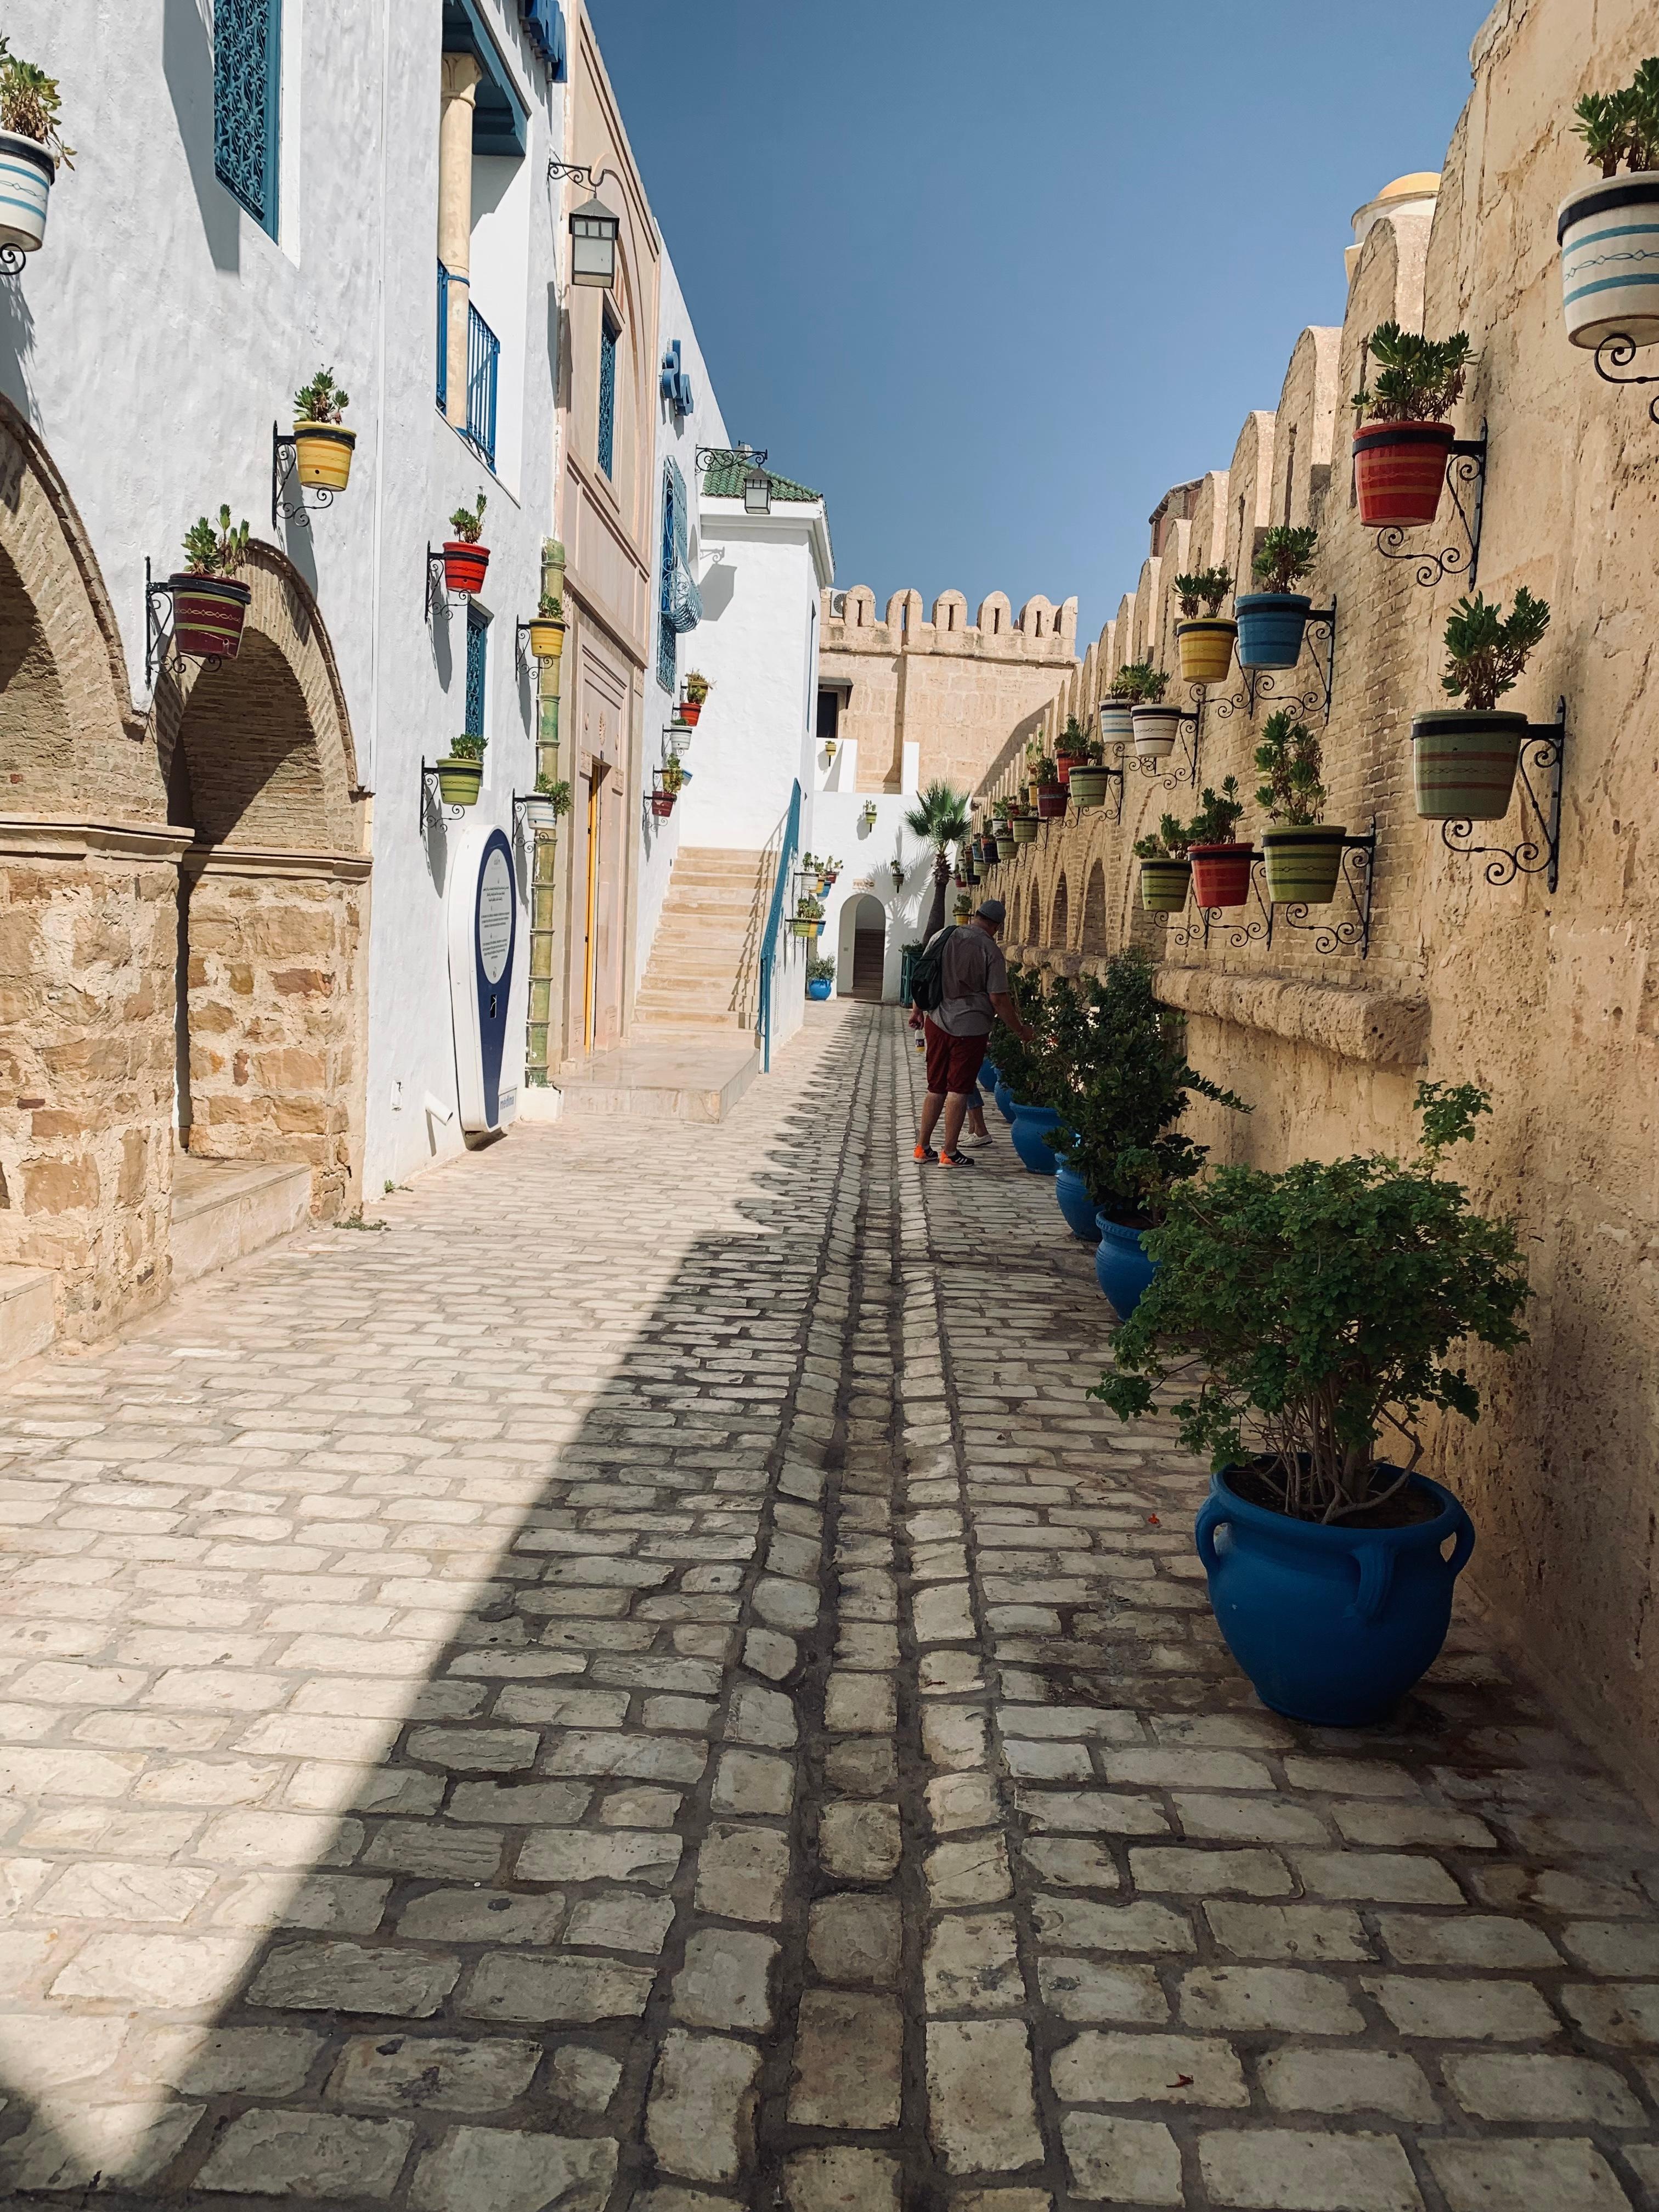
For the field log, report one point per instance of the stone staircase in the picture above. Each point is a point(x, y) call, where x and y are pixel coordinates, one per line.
point(704, 969)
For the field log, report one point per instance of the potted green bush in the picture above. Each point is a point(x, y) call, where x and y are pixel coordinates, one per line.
point(1303, 855)
point(809, 916)
point(1204, 643)
point(1324, 1307)
point(1117, 708)
point(1155, 726)
point(1048, 792)
point(209, 606)
point(1400, 455)
point(697, 688)
point(1606, 229)
point(1071, 749)
point(547, 629)
point(465, 559)
point(323, 445)
point(820, 978)
point(1091, 778)
point(547, 804)
point(1166, 873)
point(31, 148)
point(868, 814)
point(1463, 758)
point(1270, 622)
point(1221, 865)
point(1022, 823)
point(460, 772)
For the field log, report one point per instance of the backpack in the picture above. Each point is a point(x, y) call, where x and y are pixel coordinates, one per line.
point(927, 976)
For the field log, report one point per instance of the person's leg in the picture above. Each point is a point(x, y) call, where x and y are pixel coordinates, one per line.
point(932, 1107)
point(956, 1105)
point(966, 1053)
point(938, 1046)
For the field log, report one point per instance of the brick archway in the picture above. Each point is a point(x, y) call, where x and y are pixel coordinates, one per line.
point(1094, 911)
point(1060, 915)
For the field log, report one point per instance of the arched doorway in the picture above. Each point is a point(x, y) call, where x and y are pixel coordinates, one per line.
point(861, 967)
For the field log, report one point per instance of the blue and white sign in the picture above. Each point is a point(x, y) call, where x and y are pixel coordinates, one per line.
point(484, 929)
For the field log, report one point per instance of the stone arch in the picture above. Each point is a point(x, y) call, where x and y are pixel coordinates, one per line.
point(861, 969)
point(1060, 913)
point(1094, 911)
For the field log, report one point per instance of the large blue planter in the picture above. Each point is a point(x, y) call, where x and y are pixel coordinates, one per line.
point(819, 990)
point(1076, 1204)
point(1270, 627)
point(1031, 1127)
point(1121, 1268)
point(988, 1077)
point(1004, 1100)
point(1332, 1625)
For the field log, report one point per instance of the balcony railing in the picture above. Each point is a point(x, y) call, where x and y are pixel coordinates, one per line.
point(443, 339)
point(484, 359)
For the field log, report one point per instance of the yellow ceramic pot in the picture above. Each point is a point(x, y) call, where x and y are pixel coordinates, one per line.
point(1206, 650)
point(324, 452)
point(546, 638)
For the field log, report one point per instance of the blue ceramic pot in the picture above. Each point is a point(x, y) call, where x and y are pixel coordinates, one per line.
point(1031, 1127)
point(1332, 1625)
point(819, 989)
point(1076, 1204)
point(1004, 1098)
point(1121, 1268)
point(988, 1077)
point(1270, 627)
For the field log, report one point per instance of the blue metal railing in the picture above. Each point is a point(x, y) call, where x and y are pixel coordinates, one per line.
point(484, 359)
point(443, 339)
point(781, 883)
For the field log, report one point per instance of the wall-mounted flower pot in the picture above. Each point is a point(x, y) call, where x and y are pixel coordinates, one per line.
point(465, 565)
point(1607, 231)
point(817, 988)
point(1089, 786)
point(1033, 1127)
point(1270, 627)
point(1221, 874)
point(1463, 763)
point(537, 812)
point(662, 804)
point(802, 927)
point(1398, 468)
point(1050, 802)
point(1121, 1266)
point(691, 712)
point(868, 816)
point(1304, 863)
point(1071, 1195)
point(322, 452)
point(546, 638)
point(1206, 649)
point(1023, 829)
point(459, 780)
point(207, 614)
point(1065, 763)
point(1333, 1623)
point(1164, 885)
point(1116, 723)
point(26, 170)
point(1156, 729)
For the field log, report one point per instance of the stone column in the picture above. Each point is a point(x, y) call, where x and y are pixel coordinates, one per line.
point(460, 78)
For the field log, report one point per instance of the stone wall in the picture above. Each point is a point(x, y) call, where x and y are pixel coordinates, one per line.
point(1549, 999)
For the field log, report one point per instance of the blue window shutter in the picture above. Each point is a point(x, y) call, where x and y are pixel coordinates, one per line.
point(544, 22)
point(477, 661)
point(608, 338)
point(247, 103)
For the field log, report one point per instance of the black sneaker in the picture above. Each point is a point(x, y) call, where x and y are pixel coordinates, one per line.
point(925, 1156)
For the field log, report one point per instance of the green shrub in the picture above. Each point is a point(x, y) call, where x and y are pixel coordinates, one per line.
point(1291, 759)
point(1487, 651)
point(1205, 587)
point(1418, 380)
point(1285, 556)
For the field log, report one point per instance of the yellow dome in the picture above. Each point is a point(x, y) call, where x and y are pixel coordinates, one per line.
point(1412, 187)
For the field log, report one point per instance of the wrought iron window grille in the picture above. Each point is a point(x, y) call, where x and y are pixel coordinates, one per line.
point(1619, 351)
point(609, 334)
point(247, 103)
point(1539, 854)
point(1466, 471)
point(477, 669)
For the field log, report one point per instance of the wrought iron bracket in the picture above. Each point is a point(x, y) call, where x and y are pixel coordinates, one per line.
point(1236, 702)
point(731, 456)
point(1114, 783)
point(1259, 928)
point(1359, 875)
point(12, 260)
point(523, 799)
point(521, 651)
point(158, 624)
point(1620, 349)
point(1540, 854)
point(1263, 682)
point(1466, 471)
point(437, 591)
point(1192, 928)
point(287, 495)
point(433, 807)
point(1153, 765)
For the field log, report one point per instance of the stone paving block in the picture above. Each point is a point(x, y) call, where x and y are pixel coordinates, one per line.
point(76, 2149)
point(510, 2171)
point(571, 1855)
point(1079, 1923)
point(1376, 1878)
point(1626, 2016)
point(1240, 1998)
point(982, 2112)
point(1491, 2012)
point(742, 1871)
point(847, 2060)
point(1119, 2161)
point(1288, 1931)
point(971, 1966)
point(401, 2073)
point(531, 1987)
point(171, 1971)
point(1157, 2070)
point(310, 2155)
point(1330, 2079)
point(1539, 2085)
point(726, 1980)
point(973, 1871)
point(754, 1782)
point(859, 1842)
point(1280, 2170)
point(1559, 2173)
point(855, 1938)
point(840, 2179)
point(1084, 1990)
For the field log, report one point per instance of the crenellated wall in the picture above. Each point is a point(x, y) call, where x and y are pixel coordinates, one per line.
point(1549, 999)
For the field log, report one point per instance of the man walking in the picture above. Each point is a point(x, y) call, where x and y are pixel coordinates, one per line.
point(973, 993)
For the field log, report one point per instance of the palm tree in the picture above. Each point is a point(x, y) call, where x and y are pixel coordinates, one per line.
point(940, 818)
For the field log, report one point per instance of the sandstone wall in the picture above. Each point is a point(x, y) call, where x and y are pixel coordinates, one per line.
point(1551, 1000)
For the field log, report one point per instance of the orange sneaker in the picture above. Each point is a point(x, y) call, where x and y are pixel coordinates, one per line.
point(925, 1154)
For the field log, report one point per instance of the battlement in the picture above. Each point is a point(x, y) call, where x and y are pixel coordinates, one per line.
point(1041, 632)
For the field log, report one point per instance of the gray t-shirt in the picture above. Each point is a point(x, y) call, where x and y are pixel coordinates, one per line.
point(972, 972)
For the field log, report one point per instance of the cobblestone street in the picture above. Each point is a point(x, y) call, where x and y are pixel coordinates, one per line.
point(649, 1684)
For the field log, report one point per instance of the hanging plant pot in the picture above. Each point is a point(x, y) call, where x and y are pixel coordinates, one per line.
point(1270, 627)
point(1333, 1623)
point(1071, 1195)
point(690, 712)
point(1463, 763)
point(1206, 649)
point(1164, 885)
point(26, 170)
point(459, 780)
point(1089, 786)
point(322, 452)
point(1050, 802)
point(546, 638)
point(1609, 283)
point(1304, 863)
point(662, 804)
point(1121, 1266)
point(1156, 729)
point(1065, 763)
point(1024, 828)
point(1116, 722)
point(537, 812)
point(465, 565)
point(207, 614)
point(1221, 874)
point(1398, 468)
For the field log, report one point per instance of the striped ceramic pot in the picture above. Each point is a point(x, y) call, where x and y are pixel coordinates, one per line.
point(1088, 786)
point(546, 638)
point(1398, 470)
point(1163, 885)
point(465, 565)
point(1609, 237)
point(1116, 722)
point(1270, 627)
point(1463, 763)
point(323, 451)
point(1221, 874)
point(207, 614)
point(25, 173)
point(1305, 864)
point(1156, 729)
point(1023, 828)
point(1050, 802)
point(459, 780)
point(1206, 650)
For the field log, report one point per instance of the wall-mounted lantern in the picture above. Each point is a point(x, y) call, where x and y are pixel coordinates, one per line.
point(593, 228)
point(756, 484)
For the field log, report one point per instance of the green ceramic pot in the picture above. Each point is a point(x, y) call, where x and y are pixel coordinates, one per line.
point(1463, 763)
point(1163, 885)
point(1304, 865)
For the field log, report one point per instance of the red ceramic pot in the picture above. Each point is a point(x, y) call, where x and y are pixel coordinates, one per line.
point(1065, 763)
point(690, 710)
point(662, 804)
point(1051, 802)
point(1398, 469)
point(465, 565)
point(1221, 873)
point(207, 614)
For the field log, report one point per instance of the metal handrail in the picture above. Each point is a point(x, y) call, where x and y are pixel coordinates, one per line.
point(483, 354)
point(773, 920)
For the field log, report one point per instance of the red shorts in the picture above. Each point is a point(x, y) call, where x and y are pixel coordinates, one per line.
point(952, 1062)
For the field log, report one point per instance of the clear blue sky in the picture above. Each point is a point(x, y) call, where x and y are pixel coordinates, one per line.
point(993, 274)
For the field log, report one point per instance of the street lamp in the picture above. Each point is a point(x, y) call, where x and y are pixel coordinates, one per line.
point(593, 229)
point(756, 484)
